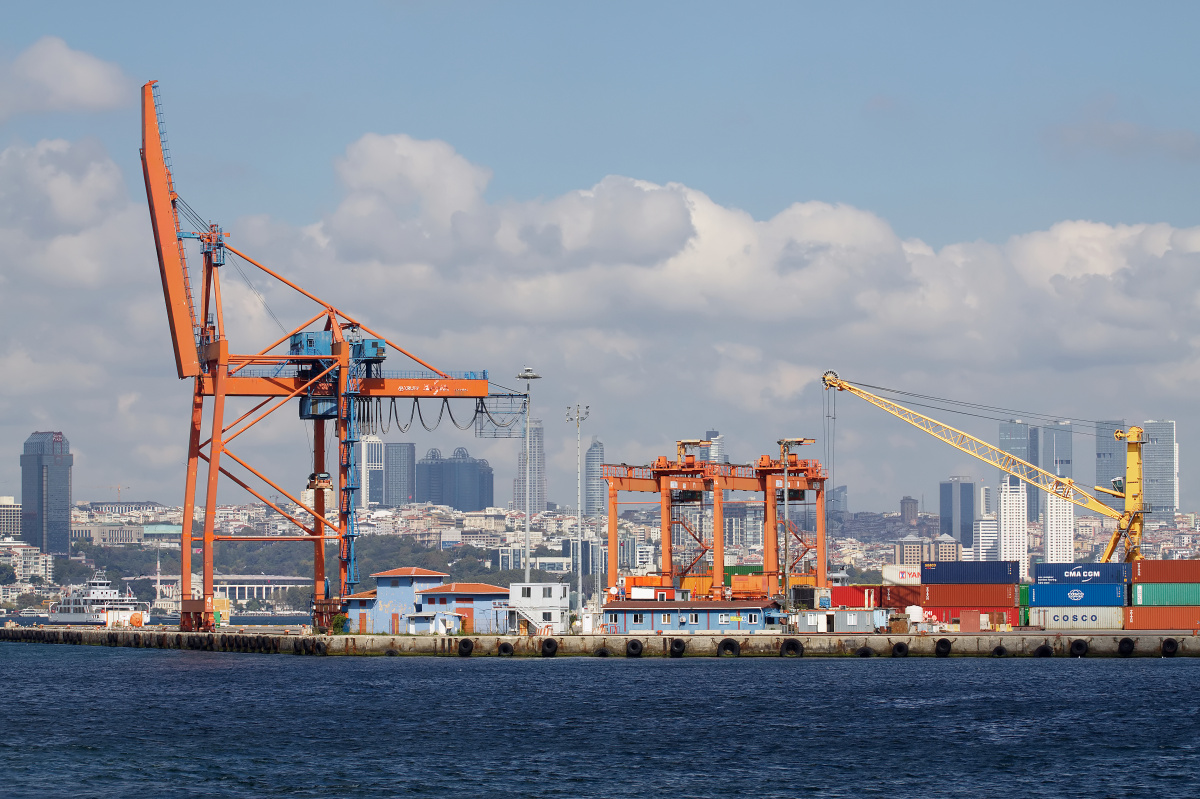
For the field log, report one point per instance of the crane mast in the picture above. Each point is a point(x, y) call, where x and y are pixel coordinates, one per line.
point(1129, 521)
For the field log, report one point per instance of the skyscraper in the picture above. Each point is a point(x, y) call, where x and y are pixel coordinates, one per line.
point(715, 452)
point(399, 474)
point(1021, 440)
point(1058, 527)
point(46, 492)
point(1014, 523)
point(908, 510)
point(537, 471)
point(987, 538)
point(10, 518)
point(1160, 464)
point(956, 510)
point(595, 490)
point(460, 481)
point(1110, 460)
point(1057, 446)
point(370, 461)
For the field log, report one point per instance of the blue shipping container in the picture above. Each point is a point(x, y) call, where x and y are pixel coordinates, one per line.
point(1092, 594)
point(991, 572)
point(1081, 573)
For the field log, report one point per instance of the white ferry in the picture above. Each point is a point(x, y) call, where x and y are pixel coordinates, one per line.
point(99, 603)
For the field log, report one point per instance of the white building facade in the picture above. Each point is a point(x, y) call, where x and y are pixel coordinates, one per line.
point(1058, 530)
point(1013, 523)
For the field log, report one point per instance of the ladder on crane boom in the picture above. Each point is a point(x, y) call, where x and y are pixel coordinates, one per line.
point(1129, 521)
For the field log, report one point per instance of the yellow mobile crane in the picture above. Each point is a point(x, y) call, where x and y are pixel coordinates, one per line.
point(1129, 522)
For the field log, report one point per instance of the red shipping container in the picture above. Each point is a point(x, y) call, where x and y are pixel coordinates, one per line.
point(1179, 617)
point(1166, 571)
point(899, 596)
point(947, 615)
point(962, 595)
point(854, 596)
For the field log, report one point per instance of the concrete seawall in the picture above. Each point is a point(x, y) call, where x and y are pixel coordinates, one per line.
point(1115, 643)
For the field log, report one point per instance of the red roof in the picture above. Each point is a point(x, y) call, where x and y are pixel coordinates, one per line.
point(361, 595)
point(410, 571)
point(465, 588)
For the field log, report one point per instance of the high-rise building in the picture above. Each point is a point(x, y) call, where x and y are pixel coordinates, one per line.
point(1110, 460)
point(1022, 441)
point(839, 500)
point(715, 452)
point(1160, 470)
point(537, 471)
point(460, 481)
point(10, 518)
point(987, 538)
point(1057, 446)
point(1013, 521)
point(595, 490)
point(46, 492)
point(908, 510)
point(1058, 529)
point(956, 509)
point(986, 505)
point(370, 470)
point(399, 474)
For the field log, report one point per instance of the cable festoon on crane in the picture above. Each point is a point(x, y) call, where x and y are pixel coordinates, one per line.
point(1129, 521)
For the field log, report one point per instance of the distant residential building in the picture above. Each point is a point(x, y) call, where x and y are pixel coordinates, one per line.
point(909, 551)
point(370, 466)
point(460, 481)
point(944, 547)
point(1058, 530)
point(1014, 523)
point(537, 472)
point(1160, 467)
point(987, 538)
point(957, 509)
point(1110, 460)
point(26, 560)
point(1022, 441)
point(908, 510)
point(539, 608)
point(595, 490)
point(108, 535)
point(399, 474)
point(10, 518)
point(46, 492)
point(715, 452)
point(986, 505)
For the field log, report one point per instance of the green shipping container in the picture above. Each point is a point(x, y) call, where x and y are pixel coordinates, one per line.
point(1166, 594)
point(1023, 595)
point(1025, 615)
point(732, 570)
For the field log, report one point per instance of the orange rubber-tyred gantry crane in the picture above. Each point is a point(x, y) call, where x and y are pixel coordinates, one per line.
point(332, 370)
point(687, 473)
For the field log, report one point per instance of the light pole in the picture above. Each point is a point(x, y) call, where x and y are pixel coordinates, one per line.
point(579, 414)
point(528, 375)
point(785, 449)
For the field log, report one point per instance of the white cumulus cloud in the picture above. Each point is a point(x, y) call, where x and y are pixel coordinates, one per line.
point(50, 76)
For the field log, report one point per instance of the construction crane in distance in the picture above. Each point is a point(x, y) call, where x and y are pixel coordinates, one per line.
point(1129, 521)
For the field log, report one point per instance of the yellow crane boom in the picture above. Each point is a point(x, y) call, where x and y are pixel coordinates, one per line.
point(1129, 522)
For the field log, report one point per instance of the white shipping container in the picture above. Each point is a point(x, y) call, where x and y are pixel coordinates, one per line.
point(641, 592)
point(1087, 618)
point(901, 575)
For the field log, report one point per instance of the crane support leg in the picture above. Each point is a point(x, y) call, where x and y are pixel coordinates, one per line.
point(770, 536)
point(666, 529)
point(718, 533)
point(319, 507)
point(611, 577)
point(205, 621)
point(822, 555)
point(189, 496)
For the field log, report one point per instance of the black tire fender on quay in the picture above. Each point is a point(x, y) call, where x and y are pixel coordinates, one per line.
point(999, 652)
point(791, 648)
point(549, 647)
point(297, 647)
point(319, 648)
point(1043, 651)
point(465, 647)
point(678, 647)
point(633, 648)
point(602, 652)
point(729, 648)
point(1125, 647)
point(1169, 647)
point(864, 652)
point(899, 650)
point(1079, 648)
point(943, 647)
point(505, 649)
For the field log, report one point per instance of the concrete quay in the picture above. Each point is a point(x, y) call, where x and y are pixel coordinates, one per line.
point(1091, 643)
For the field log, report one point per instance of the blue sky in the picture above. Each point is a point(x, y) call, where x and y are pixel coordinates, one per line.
point(704, 205)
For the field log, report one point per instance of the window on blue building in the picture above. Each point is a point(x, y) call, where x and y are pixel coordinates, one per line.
point(753, 618)
point(612, 618)
point(666, 618)
point(639, 618)
point(694, 618)
point(723, 618)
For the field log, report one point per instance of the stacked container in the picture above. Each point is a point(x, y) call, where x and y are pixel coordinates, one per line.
point(979, 595)
point(1079, 596)
point(1166, 595)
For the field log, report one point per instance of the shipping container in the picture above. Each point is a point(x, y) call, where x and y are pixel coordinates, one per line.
point(1163, 618)
point(899, 596)
point(901, 575)
point(993, 572)
point(1083, 618)
point(854, 596)
point(959, 596)
point(1166, 571)
point(840, 621)
point(988, 617)
point(1160, 594)
point(1024, 616)
point(730, 571)
point(1023, 595)
point(1069, 596)
point(1079, 573)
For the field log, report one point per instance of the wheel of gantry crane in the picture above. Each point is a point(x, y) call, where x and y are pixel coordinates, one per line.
point(1079, 648)
point(678, 647)
point(1169, 647)
point(1125, 647)
point(465, 647)
point(729, 648)
point(633, 648)
point(943, 647)
point(549, 647)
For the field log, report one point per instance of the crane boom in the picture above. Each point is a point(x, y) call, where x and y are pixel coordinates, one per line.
point(1129, 522)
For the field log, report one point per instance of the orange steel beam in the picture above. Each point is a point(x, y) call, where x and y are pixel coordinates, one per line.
point(286, 336)
point(666, 530)
point(371, 387)
point(280, 404)
point(172, 268)
point(221, 350)
point(822, 554)
point(770, 534)
point(613, 567)
point(319, 506)
point(271, 483)
point(718, 535)
point(189, 496)
point(274, 538)
point(268, 502)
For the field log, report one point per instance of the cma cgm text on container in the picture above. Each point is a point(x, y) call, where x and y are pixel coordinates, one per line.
point(993, 572)
point(1081, 573)
point(1089, 595)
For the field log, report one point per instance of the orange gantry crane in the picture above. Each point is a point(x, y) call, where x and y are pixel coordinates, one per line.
point(333, 368)
point(689, 477)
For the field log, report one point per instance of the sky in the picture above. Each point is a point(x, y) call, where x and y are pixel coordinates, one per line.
point(679, 215)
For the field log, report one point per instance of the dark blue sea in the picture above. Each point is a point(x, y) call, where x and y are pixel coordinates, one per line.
point(97, 722)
